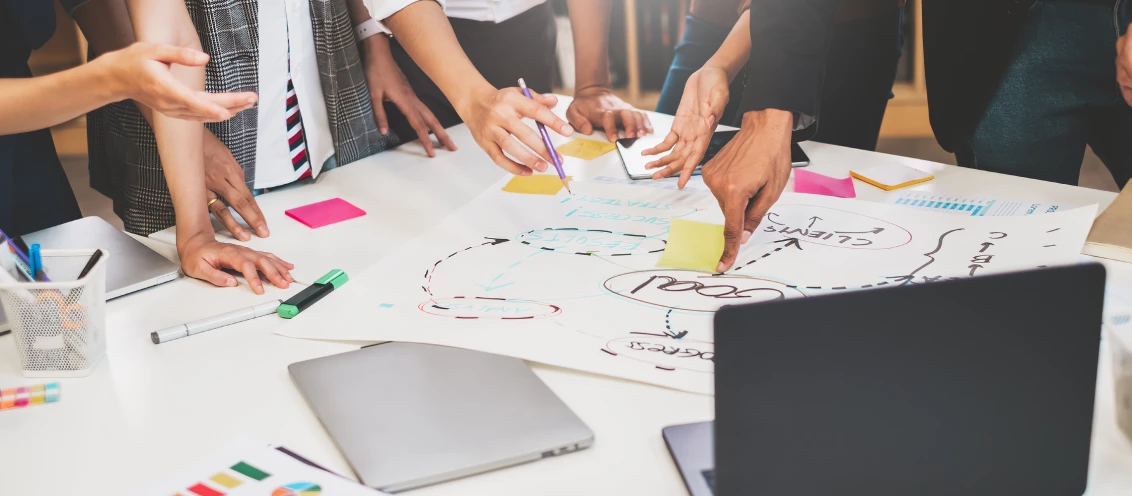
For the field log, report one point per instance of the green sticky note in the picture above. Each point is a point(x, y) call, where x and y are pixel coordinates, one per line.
point(250, 471)
point(693, 245)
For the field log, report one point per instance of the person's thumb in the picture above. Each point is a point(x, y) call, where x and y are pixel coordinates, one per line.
point(734, 216)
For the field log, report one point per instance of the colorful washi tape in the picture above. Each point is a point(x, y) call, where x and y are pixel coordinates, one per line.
point(29, 395)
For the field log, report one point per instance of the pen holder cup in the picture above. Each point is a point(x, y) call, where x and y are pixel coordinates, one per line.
point(1120, 341)
point(59, 327)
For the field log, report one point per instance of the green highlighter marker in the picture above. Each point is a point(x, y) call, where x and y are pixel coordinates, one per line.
point(322, 287)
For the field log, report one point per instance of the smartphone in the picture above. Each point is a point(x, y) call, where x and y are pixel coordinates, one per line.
point(630, 150)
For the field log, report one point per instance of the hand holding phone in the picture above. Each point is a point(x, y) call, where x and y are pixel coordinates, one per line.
point(636, 164)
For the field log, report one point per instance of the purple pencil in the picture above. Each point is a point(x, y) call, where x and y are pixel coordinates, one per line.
point(554, 158)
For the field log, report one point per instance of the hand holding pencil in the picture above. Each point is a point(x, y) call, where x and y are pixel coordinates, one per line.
point(495, 118)
point(554, 157)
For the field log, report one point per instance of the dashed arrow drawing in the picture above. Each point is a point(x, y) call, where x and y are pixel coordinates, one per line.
point(795, 242)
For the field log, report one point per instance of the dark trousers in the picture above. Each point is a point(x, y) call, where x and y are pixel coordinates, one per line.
point(859, 72)
point(520, 47)
point(1059, 94)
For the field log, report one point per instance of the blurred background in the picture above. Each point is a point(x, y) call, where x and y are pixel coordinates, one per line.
point(643, 35)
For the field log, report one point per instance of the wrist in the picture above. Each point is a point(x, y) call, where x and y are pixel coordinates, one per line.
point(593, 89)
point(469, 96)
point(106, 79)
point(376, 47)
point(772, 122)
point(713, 66)
point(193, 236)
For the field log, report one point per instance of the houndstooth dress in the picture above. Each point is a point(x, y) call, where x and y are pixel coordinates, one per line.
point(124, 163)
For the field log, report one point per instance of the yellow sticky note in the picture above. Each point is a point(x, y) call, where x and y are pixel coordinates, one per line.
point(225, 480)
point(693, 245)
point(539, 184)
point(586, 149)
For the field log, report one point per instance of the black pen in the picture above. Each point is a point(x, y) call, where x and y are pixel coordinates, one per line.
point(90, 263)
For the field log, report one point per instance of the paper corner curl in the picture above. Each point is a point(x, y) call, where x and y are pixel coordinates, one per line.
point(693, 245)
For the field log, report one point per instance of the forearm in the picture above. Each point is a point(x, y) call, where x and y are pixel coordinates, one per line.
point(736, 49)
point(106, 25)
point(178, 141)
point(37, 103)
point(358, 11)
point(589, 21)
point(424, 32)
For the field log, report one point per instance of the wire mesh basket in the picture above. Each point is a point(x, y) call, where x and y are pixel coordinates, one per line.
point(59, 327)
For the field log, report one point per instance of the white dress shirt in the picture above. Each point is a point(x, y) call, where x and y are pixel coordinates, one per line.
point(380, 10)
point(489, 10)
point(283, 25)
point(286, 24)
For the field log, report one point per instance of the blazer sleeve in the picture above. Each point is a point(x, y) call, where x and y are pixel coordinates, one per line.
point(789, 43)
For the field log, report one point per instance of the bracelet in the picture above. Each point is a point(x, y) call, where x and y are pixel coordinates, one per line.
point(367, 28)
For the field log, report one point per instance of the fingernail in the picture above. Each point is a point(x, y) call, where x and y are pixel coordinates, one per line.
point(567, 129)
point(746, 237)
point(541, 166)
point(266, 231)
point(231, 283)
point(720, 268)
point(384, 131)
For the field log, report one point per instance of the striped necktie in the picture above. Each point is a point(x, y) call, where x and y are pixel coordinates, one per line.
point(295, 137)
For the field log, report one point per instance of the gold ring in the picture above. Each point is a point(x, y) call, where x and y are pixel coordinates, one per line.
point(210, 202)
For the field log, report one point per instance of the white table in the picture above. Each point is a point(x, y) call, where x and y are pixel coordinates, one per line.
point(149, 409)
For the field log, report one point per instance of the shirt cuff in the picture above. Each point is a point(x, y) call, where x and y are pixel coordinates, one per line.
point(381, 10)
point(803, 121)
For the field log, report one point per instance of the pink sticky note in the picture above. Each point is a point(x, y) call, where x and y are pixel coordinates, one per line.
point(818, 184)
point(325, 213)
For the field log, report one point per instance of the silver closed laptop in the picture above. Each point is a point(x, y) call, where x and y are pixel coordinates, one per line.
point(131, 266)
point(409, 415)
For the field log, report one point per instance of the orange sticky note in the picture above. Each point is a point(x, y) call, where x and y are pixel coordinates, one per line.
point(692, 245)
point(539, 184)
point(586, 149)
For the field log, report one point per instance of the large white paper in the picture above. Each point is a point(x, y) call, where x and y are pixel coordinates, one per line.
point(571, 280)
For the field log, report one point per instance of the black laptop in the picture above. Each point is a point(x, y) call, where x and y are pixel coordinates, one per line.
point(981, 386)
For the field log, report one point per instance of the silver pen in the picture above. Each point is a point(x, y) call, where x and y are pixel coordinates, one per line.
point(210, 323)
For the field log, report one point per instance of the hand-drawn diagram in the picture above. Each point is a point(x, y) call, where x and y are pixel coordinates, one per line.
point(572, 280)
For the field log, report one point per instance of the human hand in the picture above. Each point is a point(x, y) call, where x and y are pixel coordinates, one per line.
point(388, 84)
point(748, 175)
point(203, 257)
point(495, 119)
point(597, 105)
point(1124, 66)
point(141, 72)
point(701, 106)
point(224, 178)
